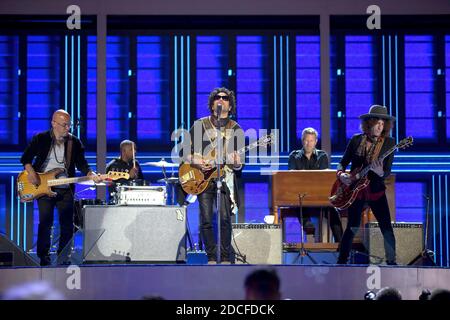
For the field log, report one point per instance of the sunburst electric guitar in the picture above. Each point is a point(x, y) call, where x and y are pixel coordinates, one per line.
point(194, 181)
point(28, 191)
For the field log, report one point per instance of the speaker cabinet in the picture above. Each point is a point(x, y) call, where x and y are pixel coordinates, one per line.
point(13, 256)
point(152, 234)
point(408, 238)
point(257, 243)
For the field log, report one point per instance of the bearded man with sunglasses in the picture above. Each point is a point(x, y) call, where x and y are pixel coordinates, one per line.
point(204, 139)
point(52, 149)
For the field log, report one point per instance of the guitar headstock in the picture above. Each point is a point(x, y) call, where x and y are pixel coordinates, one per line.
point(267, 140)
point(405, 143)
point(116, 175)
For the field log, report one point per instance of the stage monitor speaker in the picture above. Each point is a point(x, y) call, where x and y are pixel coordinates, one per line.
point(257, 243)
point(154, 234)
point(13, 256)
point(408, 238)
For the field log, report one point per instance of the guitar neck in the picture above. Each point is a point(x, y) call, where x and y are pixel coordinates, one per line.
point(251, 146)
point(366, 170)
point(58, 182)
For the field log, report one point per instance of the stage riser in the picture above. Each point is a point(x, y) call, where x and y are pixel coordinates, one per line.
point(225, 281)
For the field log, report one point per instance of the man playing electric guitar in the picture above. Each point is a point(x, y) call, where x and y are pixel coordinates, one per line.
point(362, 150)
point(203, 145)
point(53, 149)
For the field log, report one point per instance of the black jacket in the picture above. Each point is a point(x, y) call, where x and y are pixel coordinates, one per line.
point(376, 182)
point(40, 145)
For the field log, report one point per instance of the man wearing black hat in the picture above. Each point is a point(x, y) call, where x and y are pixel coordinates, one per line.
point(362, 150)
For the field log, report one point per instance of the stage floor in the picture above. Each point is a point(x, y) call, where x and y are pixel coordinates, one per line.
point(224, 282)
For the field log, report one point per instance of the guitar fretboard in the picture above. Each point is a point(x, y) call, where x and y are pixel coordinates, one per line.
point(58, 182)
point(404, 143)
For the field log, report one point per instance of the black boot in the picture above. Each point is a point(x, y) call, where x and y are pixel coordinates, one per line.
point(45, 261)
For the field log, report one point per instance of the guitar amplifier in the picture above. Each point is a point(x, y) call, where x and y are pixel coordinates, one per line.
point(141, 195)
point(408, 238)
point(257, 243)
point(134, 234)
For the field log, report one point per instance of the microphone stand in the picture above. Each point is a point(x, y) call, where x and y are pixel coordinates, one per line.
point(426, 253)
point(303, 252)
point(219, 183)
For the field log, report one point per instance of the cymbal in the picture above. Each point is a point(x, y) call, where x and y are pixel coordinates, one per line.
point(169, 180)
point(161, 164)
point(92, 183)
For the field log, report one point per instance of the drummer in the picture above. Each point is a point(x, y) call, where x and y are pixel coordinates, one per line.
point(126, 162)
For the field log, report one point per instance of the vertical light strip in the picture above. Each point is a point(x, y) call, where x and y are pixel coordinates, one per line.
point(79, 88)
point(65, 68)
point(396, 89)
point(384, 71)
point(25, 226)
point(434, 217)
point(275, 81)
point(446, 220)
point(281, 95)
point(440, 221)
point(188, 71)
point(288, 95)
point(11, 222)
point(72, 79)
point(182, 79)
point(176, 90)
point(390, 78)
point(18, 221)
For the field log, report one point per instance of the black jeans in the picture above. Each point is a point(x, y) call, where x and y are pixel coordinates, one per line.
point(64, 202)
point(207, 201)
point(380, 209)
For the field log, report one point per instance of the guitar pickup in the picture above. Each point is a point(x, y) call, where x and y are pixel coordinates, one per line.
point(189, 176)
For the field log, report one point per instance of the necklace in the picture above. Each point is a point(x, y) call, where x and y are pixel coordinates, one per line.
point(56, 158)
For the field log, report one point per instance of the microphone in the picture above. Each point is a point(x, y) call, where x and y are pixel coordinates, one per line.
point(219, 110)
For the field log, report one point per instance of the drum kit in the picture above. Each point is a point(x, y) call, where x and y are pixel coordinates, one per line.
point(136, 192)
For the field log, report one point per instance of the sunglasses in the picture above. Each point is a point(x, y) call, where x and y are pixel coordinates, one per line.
point(224, 98)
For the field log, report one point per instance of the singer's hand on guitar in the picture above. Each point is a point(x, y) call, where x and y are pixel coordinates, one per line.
point(33, 178)
point(345, 179)
point(377, 167)
point(205, 166)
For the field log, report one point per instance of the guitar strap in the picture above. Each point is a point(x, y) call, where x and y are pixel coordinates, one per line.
point(211, 132)
point(377, 150)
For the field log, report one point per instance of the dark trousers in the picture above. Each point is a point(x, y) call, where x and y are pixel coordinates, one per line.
point(380, 209)
point(64, 202)
point(207, 201)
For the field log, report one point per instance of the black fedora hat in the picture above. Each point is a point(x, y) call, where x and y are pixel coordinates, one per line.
point(377, 111)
